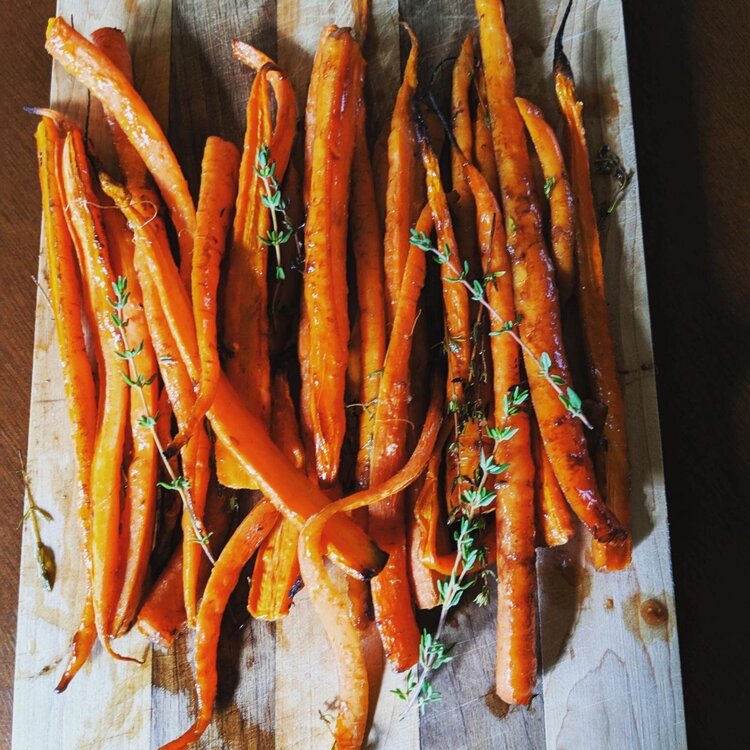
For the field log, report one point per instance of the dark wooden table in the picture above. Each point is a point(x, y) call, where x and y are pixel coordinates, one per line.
point(690, 81)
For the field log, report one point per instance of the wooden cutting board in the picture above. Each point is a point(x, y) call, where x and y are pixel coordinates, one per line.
point(609, 667)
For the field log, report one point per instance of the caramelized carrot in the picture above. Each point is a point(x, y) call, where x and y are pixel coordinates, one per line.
point(162, 614)
point(533, 284)
point(558, 192)
point(87, 230)
point(110, 85)
point(401, 183)
point(612, 451)
point(224, 576)
point(394, 613)
point(338, 86)
point(379, 162)
point(554, 522)
point(276, 570)
point(290, 492)
point(484, 154)
point(330, 602)
point(422, 580)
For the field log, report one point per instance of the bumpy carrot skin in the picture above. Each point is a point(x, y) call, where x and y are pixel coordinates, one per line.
point(139, 506)
point(331, 603)
point(401, 182)
point(224, 576)
point(67, 303)
point(276, 570)
point(484, 154)
point(554, 521)
point(562, 208)
point(87, 230)
point(612, 452)
point(391, 600)
point(109, 84)
point(534, 287)
point(290, 492)
point(338, 86)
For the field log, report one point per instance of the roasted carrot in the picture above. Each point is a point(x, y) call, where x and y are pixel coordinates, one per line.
point(484, 154)
point(162, 614)
point(332, 605)
point(533, 284)
point(394, 613)
point(558, 192)
point(87, 230)
point(290, 492)
point(422, 580)
point(338, 87)
point(80, 394)
point(379, 162)
point(224, 576)
point(611, 455)
point(139, 506)
point(276, 569)
point(110, 85)
point(554, 522)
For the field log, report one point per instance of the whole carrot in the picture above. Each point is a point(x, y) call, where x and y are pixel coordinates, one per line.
point(612, 451)
point(534, 287)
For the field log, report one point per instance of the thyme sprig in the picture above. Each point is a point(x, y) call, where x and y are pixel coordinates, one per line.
point(607, 162)
point(45, 558)
point(568, 397)
point(138, 381)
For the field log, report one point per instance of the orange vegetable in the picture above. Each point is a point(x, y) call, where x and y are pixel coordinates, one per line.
point(162, 614)
point(484, 154)
point(560, 197)
point(533, 283)
point(612, 452)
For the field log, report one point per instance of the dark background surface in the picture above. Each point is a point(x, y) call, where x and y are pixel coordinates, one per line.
point(690, 82)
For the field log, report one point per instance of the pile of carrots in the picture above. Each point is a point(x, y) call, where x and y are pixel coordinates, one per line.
point(291, 352)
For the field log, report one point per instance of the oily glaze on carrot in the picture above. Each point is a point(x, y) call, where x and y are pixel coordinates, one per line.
point(534, 288)
point(110, 85)
point(80, 394)
point(162, 614)
point(611, 455)
point(484, 154)
point(515, 669)
point(87, 230)
point(224, 576)
point(276, 570)
point(331, 603)
point(402, 181)
point(394, 613)
point(560, 196)
point(337, 86)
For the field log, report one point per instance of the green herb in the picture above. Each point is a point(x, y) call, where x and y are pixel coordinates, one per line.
point(45, 558)
point(607, 162)
point(549, 183)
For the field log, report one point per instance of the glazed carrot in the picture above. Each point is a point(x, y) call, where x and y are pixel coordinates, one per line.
point(401, 183)
point(276, 570)
point(484, 154)
point(463, 208)
point(218, 191)
point(80, 394)
point(367, 244)
point(558, 192)
point(87, 230)
point(338, 86)
point(332, 605)
point(290, 492)
point(109, 84)
point(515, 676)
point(379, 163)
point(224, 576)
point(422, 580)
point(391, 601)
point(612, 452)
point(139, 506)
point(533, 284)
point(162, 614)
point(554, 522)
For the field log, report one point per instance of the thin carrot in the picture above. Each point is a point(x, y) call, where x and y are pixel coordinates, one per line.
point(401, 182)
point(379, 164)
point(394, 613)
point(224, 576)
point(558, 192)
point(612, 452)
point(162, 614)
point(533, 283)
point(422, 580)
point(484, 154)
point(108, 83)
point(332, 605)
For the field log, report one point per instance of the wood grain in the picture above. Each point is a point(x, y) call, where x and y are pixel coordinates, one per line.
point(611, 670)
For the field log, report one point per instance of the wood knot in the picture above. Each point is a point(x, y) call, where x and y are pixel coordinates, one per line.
point(654, 612)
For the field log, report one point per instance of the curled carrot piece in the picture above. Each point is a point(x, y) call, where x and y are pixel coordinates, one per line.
point(332, 605)
point(534, 286)
point(612, 452)
point(558, 192)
